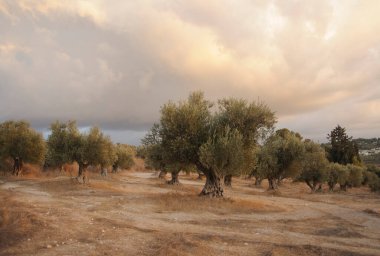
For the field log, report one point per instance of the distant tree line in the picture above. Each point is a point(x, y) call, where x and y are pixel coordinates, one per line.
point(367, 143)
point(19, 144)
point(219, 141)
point(373, 159)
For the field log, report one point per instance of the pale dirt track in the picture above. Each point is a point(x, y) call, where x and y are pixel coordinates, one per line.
point(135, 213)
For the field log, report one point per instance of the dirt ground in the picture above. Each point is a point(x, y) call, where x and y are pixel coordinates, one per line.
point(135, 213)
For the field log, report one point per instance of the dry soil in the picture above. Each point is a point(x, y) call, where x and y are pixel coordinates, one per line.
point(135, 213)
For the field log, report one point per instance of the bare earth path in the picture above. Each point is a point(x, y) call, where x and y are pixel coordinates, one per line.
point(135, 213)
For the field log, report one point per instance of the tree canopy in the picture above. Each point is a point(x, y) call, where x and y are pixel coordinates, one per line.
point(217, 143)
point(67, 144)
point(123, 158)
point(21, 143)
point(254, 121)
point(154, 152)
point(98, 148)
point(314, 165)
point(223, 152)
point(61, 143)
point(280, 157)
point(183, 128)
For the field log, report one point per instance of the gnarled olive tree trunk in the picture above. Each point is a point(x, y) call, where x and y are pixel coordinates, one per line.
point(310, 185)
point(115, 168)
point(17, 166)
point(314, 185)
point(258, 181)
point(343, 187)
point(272, 184)
point(213, 186)
point(103, 171)
point(228, 180)
point(82, 172)
point(174, 180)
point(331, 185)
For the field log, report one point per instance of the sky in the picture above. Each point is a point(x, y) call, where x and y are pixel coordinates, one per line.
point(114, 63)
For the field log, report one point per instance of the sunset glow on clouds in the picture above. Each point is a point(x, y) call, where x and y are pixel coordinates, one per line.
point(114, 63)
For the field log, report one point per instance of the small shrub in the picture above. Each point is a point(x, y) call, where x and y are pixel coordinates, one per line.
point(374, 169)
point(343, 177)
point(355, 177)
point(374, 182)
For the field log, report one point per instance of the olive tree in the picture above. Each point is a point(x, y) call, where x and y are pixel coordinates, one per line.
point(223, 154)
point(184, 127)
point(66, 145)
point(371, 177)
point(314, 165)
point(154, 151)
point(253, 121)
point(355, 177)
point(374, 169)
point(94, 148)
point(343, 177)
point(280, 156)
point(333, 171)
point(21, 143)
point(123, 158)
point(59, 143)
point(346, 176)
point(191, 135)
point(373, 181)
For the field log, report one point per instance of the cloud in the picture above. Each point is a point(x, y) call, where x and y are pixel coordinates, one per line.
point(114, 63)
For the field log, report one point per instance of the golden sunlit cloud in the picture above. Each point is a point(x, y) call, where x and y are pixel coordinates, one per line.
point(306, 60)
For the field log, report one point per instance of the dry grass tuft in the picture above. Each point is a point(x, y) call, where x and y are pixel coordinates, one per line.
point(5, 167)
point(170, 244)
point(31, 171)
point(172, 202)
point(16, 223)
point(139, 165)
